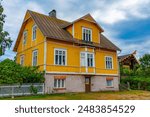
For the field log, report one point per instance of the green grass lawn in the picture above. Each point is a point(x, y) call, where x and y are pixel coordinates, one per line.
point(121, 95)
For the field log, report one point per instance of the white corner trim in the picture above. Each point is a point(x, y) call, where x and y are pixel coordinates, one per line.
point(45, 53)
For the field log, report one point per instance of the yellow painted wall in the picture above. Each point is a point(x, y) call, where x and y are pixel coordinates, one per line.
point(73, 59)
point(30, 45)
point(69, 29)
point(78, 30)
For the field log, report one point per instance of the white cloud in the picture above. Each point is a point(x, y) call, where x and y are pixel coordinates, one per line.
point(120, 10)
point(129, 46)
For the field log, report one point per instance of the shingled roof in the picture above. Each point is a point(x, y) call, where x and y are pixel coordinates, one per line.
point(53, 28)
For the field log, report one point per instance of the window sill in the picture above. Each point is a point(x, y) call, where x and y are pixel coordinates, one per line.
point(109, 86)
point(60, 65)
point(59, 88)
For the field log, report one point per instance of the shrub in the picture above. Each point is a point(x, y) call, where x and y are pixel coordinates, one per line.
point(11, 73)
point(137, 83)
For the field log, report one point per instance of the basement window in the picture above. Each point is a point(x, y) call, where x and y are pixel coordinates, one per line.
point(109, 82)
point(59, 83)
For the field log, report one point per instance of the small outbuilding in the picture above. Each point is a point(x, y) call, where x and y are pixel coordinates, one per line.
point(129, 60)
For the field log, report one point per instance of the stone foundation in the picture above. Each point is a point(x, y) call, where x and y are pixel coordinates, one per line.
point(76, 83)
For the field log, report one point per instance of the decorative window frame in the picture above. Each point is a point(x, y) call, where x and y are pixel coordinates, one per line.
point(60, 49)
point(33, 33)
point(86, 29)
point(112, 62)
point(33, 57)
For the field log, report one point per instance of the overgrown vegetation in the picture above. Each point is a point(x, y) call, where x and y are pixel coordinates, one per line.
point(139, 77)
point(11, 73)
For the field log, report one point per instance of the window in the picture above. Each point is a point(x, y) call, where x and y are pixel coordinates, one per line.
point(59, 83)
point(24, 37)
point(34, 58)
point(87, 59)
point(60, 57)
point(22, 60)
point(86, 34)
point(90, 60)
point(108, 62)
point(34, 30)
point(109, 82)
point(83, 62)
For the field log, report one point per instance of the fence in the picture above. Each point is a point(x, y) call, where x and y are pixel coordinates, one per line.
point(19, 90)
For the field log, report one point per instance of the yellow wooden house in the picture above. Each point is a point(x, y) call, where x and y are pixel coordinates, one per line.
point(76, 56)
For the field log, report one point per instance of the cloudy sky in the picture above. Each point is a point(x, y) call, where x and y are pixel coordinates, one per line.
point(126, 22)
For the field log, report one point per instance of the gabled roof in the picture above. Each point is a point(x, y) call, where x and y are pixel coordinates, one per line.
point(128, 56)
point(52, 29)
point(88, 18)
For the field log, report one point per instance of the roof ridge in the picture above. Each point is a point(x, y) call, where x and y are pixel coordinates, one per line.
point(48, 16)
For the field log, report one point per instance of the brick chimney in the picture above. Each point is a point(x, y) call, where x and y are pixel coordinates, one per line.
point(52, 13)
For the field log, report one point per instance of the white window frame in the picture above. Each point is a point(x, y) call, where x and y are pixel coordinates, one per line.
point(33, 57)
point(33, 27)
point(112, 83)
point(60, 49)
point(86, 59)
point(83, 28)
point(25, 40)
point(60, 83)
point(83, 64)
point(106, 63)
point(21, 59)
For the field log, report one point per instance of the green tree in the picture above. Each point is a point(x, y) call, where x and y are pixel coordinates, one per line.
point(5, 40)
point(11, 72)
point(145, 65)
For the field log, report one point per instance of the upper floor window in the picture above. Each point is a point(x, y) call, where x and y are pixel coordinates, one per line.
point(34, 31)
point(60, 57)
point(90, 60)
point(83, 62)
point(87, 59)
point(34, 57)
point(109, 64)
point(87, 34)
point(22, 60)
point(24, 37)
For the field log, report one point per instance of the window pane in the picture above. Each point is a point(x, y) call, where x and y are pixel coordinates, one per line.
point(55, 82)
point(60, 52)
point(109, 82)
point(60, 60)
point(63, 85)
point(59, 83)
point(108, 62)
point(34, 58)
point(56, 52)
point(63, 60)
point(56, 59)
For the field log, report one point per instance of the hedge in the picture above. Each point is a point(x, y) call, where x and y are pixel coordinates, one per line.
point(137, 83)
